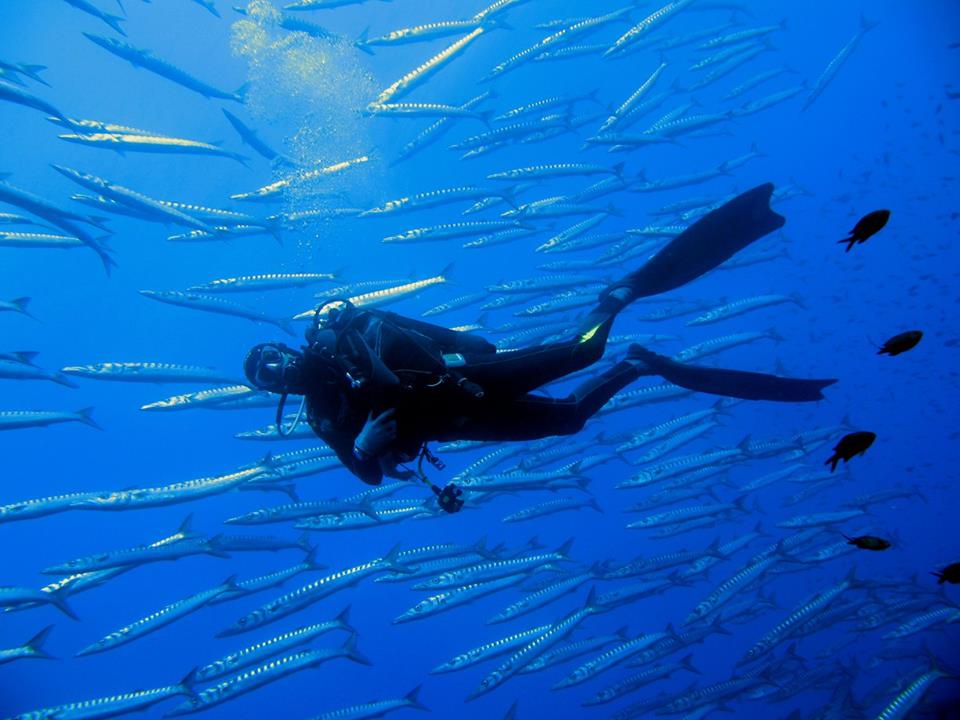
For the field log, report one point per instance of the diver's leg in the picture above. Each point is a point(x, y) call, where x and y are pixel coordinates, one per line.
point(729, 383)
point(533, 416)
point(509, 374)
point(710, 241)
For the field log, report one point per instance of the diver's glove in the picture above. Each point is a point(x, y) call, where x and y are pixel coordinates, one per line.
point(377, 433)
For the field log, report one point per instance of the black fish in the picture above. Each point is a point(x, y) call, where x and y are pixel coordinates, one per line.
point(868, 542)
point(853, 444)
point(900, 343)
point(950, 574)
point(869, 225)
point(730, 383)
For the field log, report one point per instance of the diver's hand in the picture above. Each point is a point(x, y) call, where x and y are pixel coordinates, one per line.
point(377, 433)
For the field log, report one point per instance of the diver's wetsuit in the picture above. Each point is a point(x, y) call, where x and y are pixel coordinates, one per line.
point(401, 363)
point(430, 405)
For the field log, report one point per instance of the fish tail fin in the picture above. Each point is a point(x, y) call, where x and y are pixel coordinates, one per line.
point(595, 505)
point(390, 560)
point(21, 304)
point(35, 644)
point(687, 663)
point(284, 325)
point(412, 701)
point(84, 415)
point(114, 22)
point(61, 379)
point(350, 650)
point(33, 72)
point(303, 542)
point(187, 682)
point(866, 23)
point(565, 548)
point(343, 618)
point(311, 561)
point(361, 42)
point(446, 274)
point(59, 598)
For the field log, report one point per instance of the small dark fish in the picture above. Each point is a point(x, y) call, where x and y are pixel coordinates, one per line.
point(900, 343)
point(869, 225)
point(853, 444)
point(950, 574)
point(869, 542)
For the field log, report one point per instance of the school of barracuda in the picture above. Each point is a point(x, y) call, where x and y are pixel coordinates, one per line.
point(673, 479)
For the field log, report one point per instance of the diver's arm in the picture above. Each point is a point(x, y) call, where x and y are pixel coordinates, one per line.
point(367, 468)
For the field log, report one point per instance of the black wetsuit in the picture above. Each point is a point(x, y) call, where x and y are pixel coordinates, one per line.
point(432, 403)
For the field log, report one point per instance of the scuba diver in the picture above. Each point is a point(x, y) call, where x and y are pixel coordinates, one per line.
point(378, 386)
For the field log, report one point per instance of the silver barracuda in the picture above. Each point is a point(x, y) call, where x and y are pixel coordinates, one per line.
point(161, 618)
point(518, 660)
point(213, 398)
point(639, 680)
point(830, 72)
point(275, 190)
point(739, 307)
point(376, 298)
point(644, 27)
point(160, 144)
point(435, 131)
point(427, 32)
point(547, 594)
point(489, 650)
point(254, 654)
point(138, 555)
point(433, 198)
point(681, 465)
point(112, 705)
point(609, 658)
point(306, 595)
point(726, 342)
point(551, 507)
point(259, 283)
point(251, 679)
point(19, 419)
point(493, 569)
point(376, 708)
point(575, 649)
point(148, 372)
point(214, 304)
point(39, 240)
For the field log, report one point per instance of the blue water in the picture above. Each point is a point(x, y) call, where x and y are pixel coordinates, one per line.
point(882, 135)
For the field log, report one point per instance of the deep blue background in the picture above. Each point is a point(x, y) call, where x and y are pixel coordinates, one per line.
point(882, 135)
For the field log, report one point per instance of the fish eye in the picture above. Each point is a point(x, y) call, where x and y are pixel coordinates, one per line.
point(242, 622)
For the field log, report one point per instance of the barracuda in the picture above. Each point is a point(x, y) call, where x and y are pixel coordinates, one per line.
point(830, 72)
point(726, 342)
point(149, 207)
point(636, 591)
point(541, 644)
point(816, 519)
point(556, 170)
point(147, 60)
point(386, 512)
point(138, 555)
point(426, 70)
point(39, 240)
point(214, 304)
point(274, 646)
point(258, 283)
point(429, 31)
point(490, 650)
point(312, 592)
point(611, 657)
point(548, 103)
point(463, 594)
point(167, 494)
point(739, 307)
point(163, 144)
point(642, 28)
point(433, 198)
point(667, 428)
point(771, 100)
point(926, 620)
point(570, 651)
point(18, 419)
point(376, 298)
point(551, 507)
point(114, 704)
point(148, 372)
point(546, 595)
point(656, 563)
point(641, 396)
point(250, 680)
point(161, 618)
point(617, 115)
point(495, 569)
point(422, 110)
point(723, 55)
point(639, 680)
point(209, 398)
point(275, 189)
point(675, 441)
point(558, 38)
point(681, 465)
point(451, 230)
point(375, 709)
point(433, 132)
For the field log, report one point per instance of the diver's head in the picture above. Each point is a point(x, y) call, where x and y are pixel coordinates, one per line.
point(332, 315)
point(276, 368)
